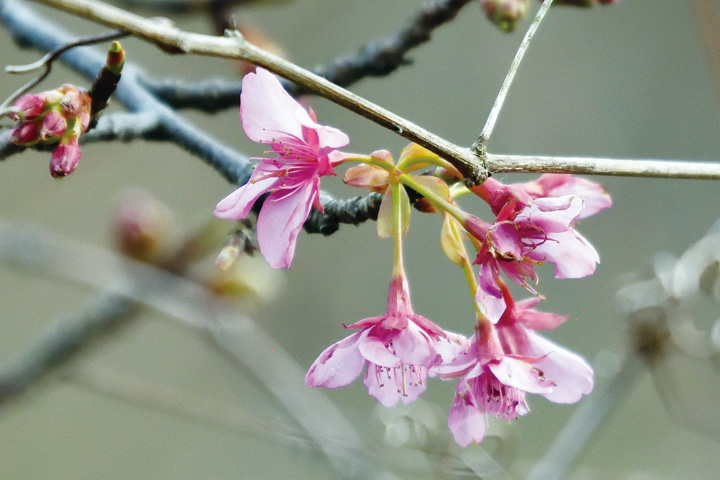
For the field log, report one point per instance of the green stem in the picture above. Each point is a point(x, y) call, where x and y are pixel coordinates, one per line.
point(398, 268)
point(439, 202)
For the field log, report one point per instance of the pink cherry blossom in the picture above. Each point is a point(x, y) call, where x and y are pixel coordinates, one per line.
point(496, 194)
point(306, 151)
point(398, 348)
point(504, 363)
point(539, 232)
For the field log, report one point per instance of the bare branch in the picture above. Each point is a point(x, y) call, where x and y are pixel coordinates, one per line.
point(172, 39)
point(498, 163)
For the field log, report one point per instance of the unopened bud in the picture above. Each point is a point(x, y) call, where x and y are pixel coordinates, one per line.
point(237, 242)
point(27, 107)
point(115, 59)
point(65, 157)
point(506, 13)
point(25, 134)
point(74, 101)
point(53, 125)
point(145, 228)
point(227, 257)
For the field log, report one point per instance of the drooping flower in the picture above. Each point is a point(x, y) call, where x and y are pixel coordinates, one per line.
point(306, 151)
point(539, 232)
point(497, 194)
point(504, 363)
point(398, 348)
point(570, 373)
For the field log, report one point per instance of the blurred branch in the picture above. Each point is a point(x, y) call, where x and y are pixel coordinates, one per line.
point(202, 409)
point(196, 307)
point(68, 336)
point(30, 28)
point(568, 445)
point(378, 58)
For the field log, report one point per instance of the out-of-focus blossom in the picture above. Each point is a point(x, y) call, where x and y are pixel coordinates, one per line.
point(506, 13)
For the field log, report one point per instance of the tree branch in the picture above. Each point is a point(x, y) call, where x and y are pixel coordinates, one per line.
point(377, 58)
point(172, 39)
point(499, 163)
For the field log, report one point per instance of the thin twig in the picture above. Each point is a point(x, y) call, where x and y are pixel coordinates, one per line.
point(203, 409)
point(480, 146)
point(32, 29)
point(47, 60)
point(173, 39)
point(498, 163)
point(68, 336)
point(377, 58)
point(198, 308)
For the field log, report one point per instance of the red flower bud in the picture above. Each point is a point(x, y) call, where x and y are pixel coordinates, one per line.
point(65, 157)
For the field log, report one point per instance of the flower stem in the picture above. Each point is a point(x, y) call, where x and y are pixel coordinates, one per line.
point(439, 202)
point(398, 269)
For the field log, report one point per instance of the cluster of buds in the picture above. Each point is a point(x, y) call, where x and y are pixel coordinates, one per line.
point(56, 116)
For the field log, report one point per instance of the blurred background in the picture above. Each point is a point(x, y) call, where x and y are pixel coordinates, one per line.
point(631, 80)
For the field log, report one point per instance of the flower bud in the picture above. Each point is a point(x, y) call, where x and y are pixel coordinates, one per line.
point(26, 134)
point(145, 228)
point(506, 13)
point(27, 107)
point(65, 157)
point(53, 126)
point(74, 101)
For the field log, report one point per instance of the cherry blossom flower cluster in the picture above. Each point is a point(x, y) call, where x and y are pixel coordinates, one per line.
point(56, 116)
point(505, 358)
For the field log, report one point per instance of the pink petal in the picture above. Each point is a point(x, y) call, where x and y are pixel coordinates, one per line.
point(505, 240)
point(572, 255)
point(338, 365)
point(519, 374)
point(280, 221)
point(571, 374)
point(555, 185)
point(328, 138)
point(267, 111)
point(238, 204)
point(413, 345)
point(466, 421)
point(489, 297)
point(375, 351)
point(537, 320)
point(551, 214)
